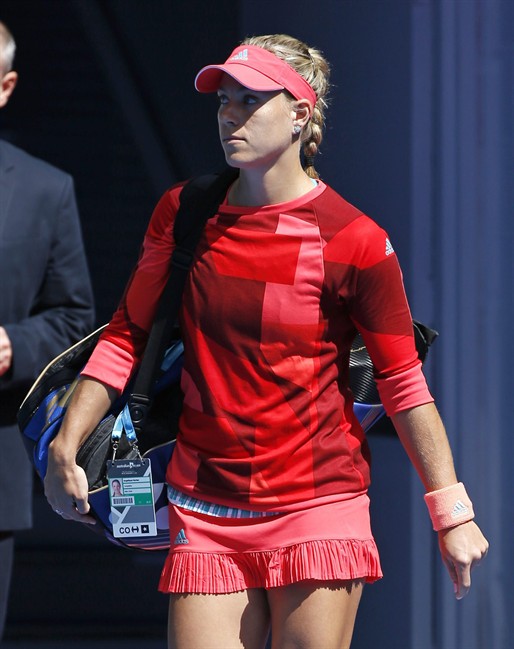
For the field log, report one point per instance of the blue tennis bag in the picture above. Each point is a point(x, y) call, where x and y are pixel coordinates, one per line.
point(40, 417)
point(41, 413)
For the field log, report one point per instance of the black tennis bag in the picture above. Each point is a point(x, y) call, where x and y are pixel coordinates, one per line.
point(40, 418)
point(367, 405)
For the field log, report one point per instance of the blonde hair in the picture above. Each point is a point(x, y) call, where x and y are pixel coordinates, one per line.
point(315, 69)
point(7, 49)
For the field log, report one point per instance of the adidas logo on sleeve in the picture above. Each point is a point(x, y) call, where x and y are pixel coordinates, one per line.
point(389, 248)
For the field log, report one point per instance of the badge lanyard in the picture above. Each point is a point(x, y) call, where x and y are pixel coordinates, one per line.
point(130, 486)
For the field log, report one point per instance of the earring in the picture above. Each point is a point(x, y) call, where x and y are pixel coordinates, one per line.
point(296, 129)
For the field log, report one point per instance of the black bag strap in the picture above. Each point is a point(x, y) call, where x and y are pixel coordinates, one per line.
point(199, 201)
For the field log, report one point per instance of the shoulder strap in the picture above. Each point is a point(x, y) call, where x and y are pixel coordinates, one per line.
point(199, 201)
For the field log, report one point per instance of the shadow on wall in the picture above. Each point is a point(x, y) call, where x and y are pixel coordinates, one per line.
point(105, 89)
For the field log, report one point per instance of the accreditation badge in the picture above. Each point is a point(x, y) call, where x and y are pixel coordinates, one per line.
point(131, 496)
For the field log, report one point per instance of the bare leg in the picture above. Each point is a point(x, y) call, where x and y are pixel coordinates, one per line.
point(233, 621)
point(314, 614)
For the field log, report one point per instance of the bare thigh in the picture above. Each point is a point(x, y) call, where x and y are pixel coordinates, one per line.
point(229, 621)
point(314, 615)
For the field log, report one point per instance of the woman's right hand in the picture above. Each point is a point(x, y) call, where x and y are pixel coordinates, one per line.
point(66, 487)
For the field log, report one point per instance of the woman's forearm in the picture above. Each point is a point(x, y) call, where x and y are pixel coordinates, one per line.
point(90, 402)
point(424, 438)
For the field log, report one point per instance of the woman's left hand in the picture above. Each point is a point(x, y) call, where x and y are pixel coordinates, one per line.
point(462, 548)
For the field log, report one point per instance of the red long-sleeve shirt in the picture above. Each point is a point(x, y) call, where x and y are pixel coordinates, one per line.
point(271, 306)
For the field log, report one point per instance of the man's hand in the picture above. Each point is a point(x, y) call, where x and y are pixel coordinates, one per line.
point(5, 352)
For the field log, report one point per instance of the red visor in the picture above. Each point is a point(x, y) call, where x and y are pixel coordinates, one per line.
point(256, 69)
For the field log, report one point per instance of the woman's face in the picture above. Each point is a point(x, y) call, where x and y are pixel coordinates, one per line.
point(255, 127)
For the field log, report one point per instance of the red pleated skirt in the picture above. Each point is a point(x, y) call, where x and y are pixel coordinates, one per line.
point(215, 555)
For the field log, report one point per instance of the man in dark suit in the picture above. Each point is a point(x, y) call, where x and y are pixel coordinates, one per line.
point(46, 303)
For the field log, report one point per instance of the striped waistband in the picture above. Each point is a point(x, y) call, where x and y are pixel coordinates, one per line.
point(211, 509)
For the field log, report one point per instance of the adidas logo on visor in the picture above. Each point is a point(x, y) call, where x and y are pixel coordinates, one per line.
point(240, 56)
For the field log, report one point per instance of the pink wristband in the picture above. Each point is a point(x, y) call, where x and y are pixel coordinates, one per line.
point(449, 507)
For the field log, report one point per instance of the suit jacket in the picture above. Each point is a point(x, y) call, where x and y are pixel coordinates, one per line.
point(46, 301)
